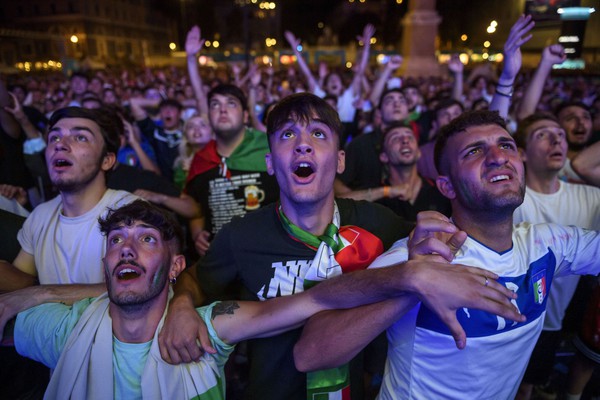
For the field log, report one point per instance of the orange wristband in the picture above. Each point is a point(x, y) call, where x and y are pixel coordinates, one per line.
point(386, 191)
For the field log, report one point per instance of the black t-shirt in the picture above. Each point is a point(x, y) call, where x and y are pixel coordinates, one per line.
point(222, 198)
point(429, 198)
point(257, 252)
point(126, 177)
point(363, 168)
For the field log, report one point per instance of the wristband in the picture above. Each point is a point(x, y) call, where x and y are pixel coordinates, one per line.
point(386, 191)
point(503, 94)
point(501, 85)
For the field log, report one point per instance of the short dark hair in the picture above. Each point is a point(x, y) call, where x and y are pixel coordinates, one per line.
point(170, 103)
point(386, 92)
point(144, 211)
point(566, 104)
point(79, 74)
point(395, 125)
point(302, 107)
point(225, 89)
point(447, 103)
point(111, 126)
point(460, 124)
point(525, 123)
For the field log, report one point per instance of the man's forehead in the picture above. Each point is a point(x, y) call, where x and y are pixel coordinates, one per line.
point(71, 122)
point(544, 123)
point(224, 97)
point(133, 224)
point(399, 131)
point(572, 110)
point(489, 132)
point(391, 95)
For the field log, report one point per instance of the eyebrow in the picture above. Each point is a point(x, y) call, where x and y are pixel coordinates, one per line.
point(74, 129)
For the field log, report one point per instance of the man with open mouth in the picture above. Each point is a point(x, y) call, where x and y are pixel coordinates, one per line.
point(282, 249)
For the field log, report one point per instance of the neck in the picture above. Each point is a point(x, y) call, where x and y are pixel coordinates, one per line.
point(226, 147)
point(313, 217)
point(138, 325)
point(494, 231)
point(546, 183)
point(78, 202)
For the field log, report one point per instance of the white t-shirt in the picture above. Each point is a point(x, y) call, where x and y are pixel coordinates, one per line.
point(345, 103)
point(68, 249)
point(423, 361)
point(572, 204)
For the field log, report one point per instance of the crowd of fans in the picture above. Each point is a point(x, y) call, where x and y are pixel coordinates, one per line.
point(192, 141)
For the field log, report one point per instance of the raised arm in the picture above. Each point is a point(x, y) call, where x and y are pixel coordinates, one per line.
point(294, 43)
point(7, 122)
point(16, 110)
point(363, 61)
point(456, 68)
point(132, 138)
point(586, 164)
point(553, 54)
point(193, 45)
point(519, 34)
point(394, 62)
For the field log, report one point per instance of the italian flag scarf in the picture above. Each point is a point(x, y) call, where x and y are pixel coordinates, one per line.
point(339, 250)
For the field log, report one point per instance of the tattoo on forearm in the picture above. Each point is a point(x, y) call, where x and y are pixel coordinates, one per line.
point(225, 307)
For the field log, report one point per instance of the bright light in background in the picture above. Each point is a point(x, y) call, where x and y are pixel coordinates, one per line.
point(299, 47)
point(382, 59)
point(207, 43)
point(464, 58)
point(320, 25)
point(202, 60)
point(491, 29)
point(485, 56)
point(172, 46)
point(494, 24)
point(373, 40)
point(399, 1)
point(348, 65)
point(74, 39)
point(464, 37)
point(486, 44)
point(215, 43)
point(270, 42)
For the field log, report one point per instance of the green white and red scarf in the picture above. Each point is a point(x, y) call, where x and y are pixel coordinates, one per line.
point(339, 250)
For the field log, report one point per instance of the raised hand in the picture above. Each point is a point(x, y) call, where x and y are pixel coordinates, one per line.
point(367, 34)
point(554, 54)
point(292, 40)
point(455, 65)
point(519, 34)
point(194, 41)
point(435, 235)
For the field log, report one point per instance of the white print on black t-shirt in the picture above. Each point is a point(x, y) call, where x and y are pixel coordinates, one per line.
point(288, 279)
point(233, 197)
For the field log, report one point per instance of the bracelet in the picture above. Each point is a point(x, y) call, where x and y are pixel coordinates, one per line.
point(369, 194)
point(504, 94)
point(501, 85)
point(386, 191)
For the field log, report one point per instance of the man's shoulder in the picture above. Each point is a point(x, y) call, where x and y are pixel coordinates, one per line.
point(117, 197)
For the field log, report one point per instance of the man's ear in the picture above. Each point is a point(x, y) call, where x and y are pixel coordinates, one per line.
point(108, 162)
point(445, 187)
point(177, 265)
point(341, 165)
point(384, 158)
point(269, 163)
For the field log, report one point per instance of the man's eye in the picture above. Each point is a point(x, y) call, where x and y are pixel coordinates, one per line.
point(540, 135)
point(319, 134)
point(53, 138)
point(149, 239)
point(115, 240)
point(213, 105)
point(232, 104)
point(287, 134)
point(506, 146)
point(81, 138)
point(473, 151)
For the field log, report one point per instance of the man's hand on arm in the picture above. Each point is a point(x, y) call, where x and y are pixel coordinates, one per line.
point(184, 336)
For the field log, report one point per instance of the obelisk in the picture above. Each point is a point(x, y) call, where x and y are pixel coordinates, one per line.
point(420, 26)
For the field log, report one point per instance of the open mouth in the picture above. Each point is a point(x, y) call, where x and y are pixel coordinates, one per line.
point(499, 178)
point(60, 162)
point(127, 273)
point(304, 170)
